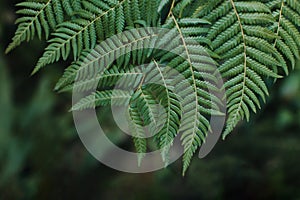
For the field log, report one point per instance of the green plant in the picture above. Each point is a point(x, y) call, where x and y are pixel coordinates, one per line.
point(251, 42)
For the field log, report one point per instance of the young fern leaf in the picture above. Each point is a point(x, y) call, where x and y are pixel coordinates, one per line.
point(247, 55)
point(39, 18)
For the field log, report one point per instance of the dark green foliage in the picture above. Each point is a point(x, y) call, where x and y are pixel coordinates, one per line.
point(250, 42)
point(41, 18)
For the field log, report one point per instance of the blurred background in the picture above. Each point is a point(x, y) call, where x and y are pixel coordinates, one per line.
point(42, 157)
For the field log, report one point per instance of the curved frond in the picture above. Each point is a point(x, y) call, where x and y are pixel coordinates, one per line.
point(173, 111)
point(111, 77)
point(97, 20)
point(175, 90)
point(103, 98)
point(40, 18)
point(192, 63)
point(287, 28)
point(93, 63)
point(247, 57)
point(137, 131)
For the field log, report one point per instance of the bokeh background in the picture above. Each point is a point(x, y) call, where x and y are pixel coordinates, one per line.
point(42, 157)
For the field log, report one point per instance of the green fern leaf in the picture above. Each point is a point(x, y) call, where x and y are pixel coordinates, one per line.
point(138, 132)
point(112, 77)
point(39, 18)
point(172, 115)
point(249, 42)
point(103, 98)
point(102, 57)
point(96, 21)
point(247, 55)
point(198, 103)
point(287, 27)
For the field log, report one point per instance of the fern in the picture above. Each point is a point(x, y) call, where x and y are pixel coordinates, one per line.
point(247, 56)
point(102, 57)
point(287, 14)
point(103, 98)
point(138, 132)
point(172, 114)
point(96, 21)
point(250, 43)
point(111, 77)
point(197, 102)
point(39, 18)
point(80, 33)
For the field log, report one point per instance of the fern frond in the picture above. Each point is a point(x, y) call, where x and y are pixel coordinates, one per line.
point(103, 98)
point(173, 111)
point(39, 18)
point(97, 20)
point(137, 131)
point(192, 63)
point(248, 56)
point(79, 34)
point(287, 27)
point(113, 77)
point(248, 42)
point(147, 105)
point(93, 63)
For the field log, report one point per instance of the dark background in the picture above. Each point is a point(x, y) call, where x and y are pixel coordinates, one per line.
point(42, 157)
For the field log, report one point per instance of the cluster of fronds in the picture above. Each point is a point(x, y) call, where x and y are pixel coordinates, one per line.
point(250, 42)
